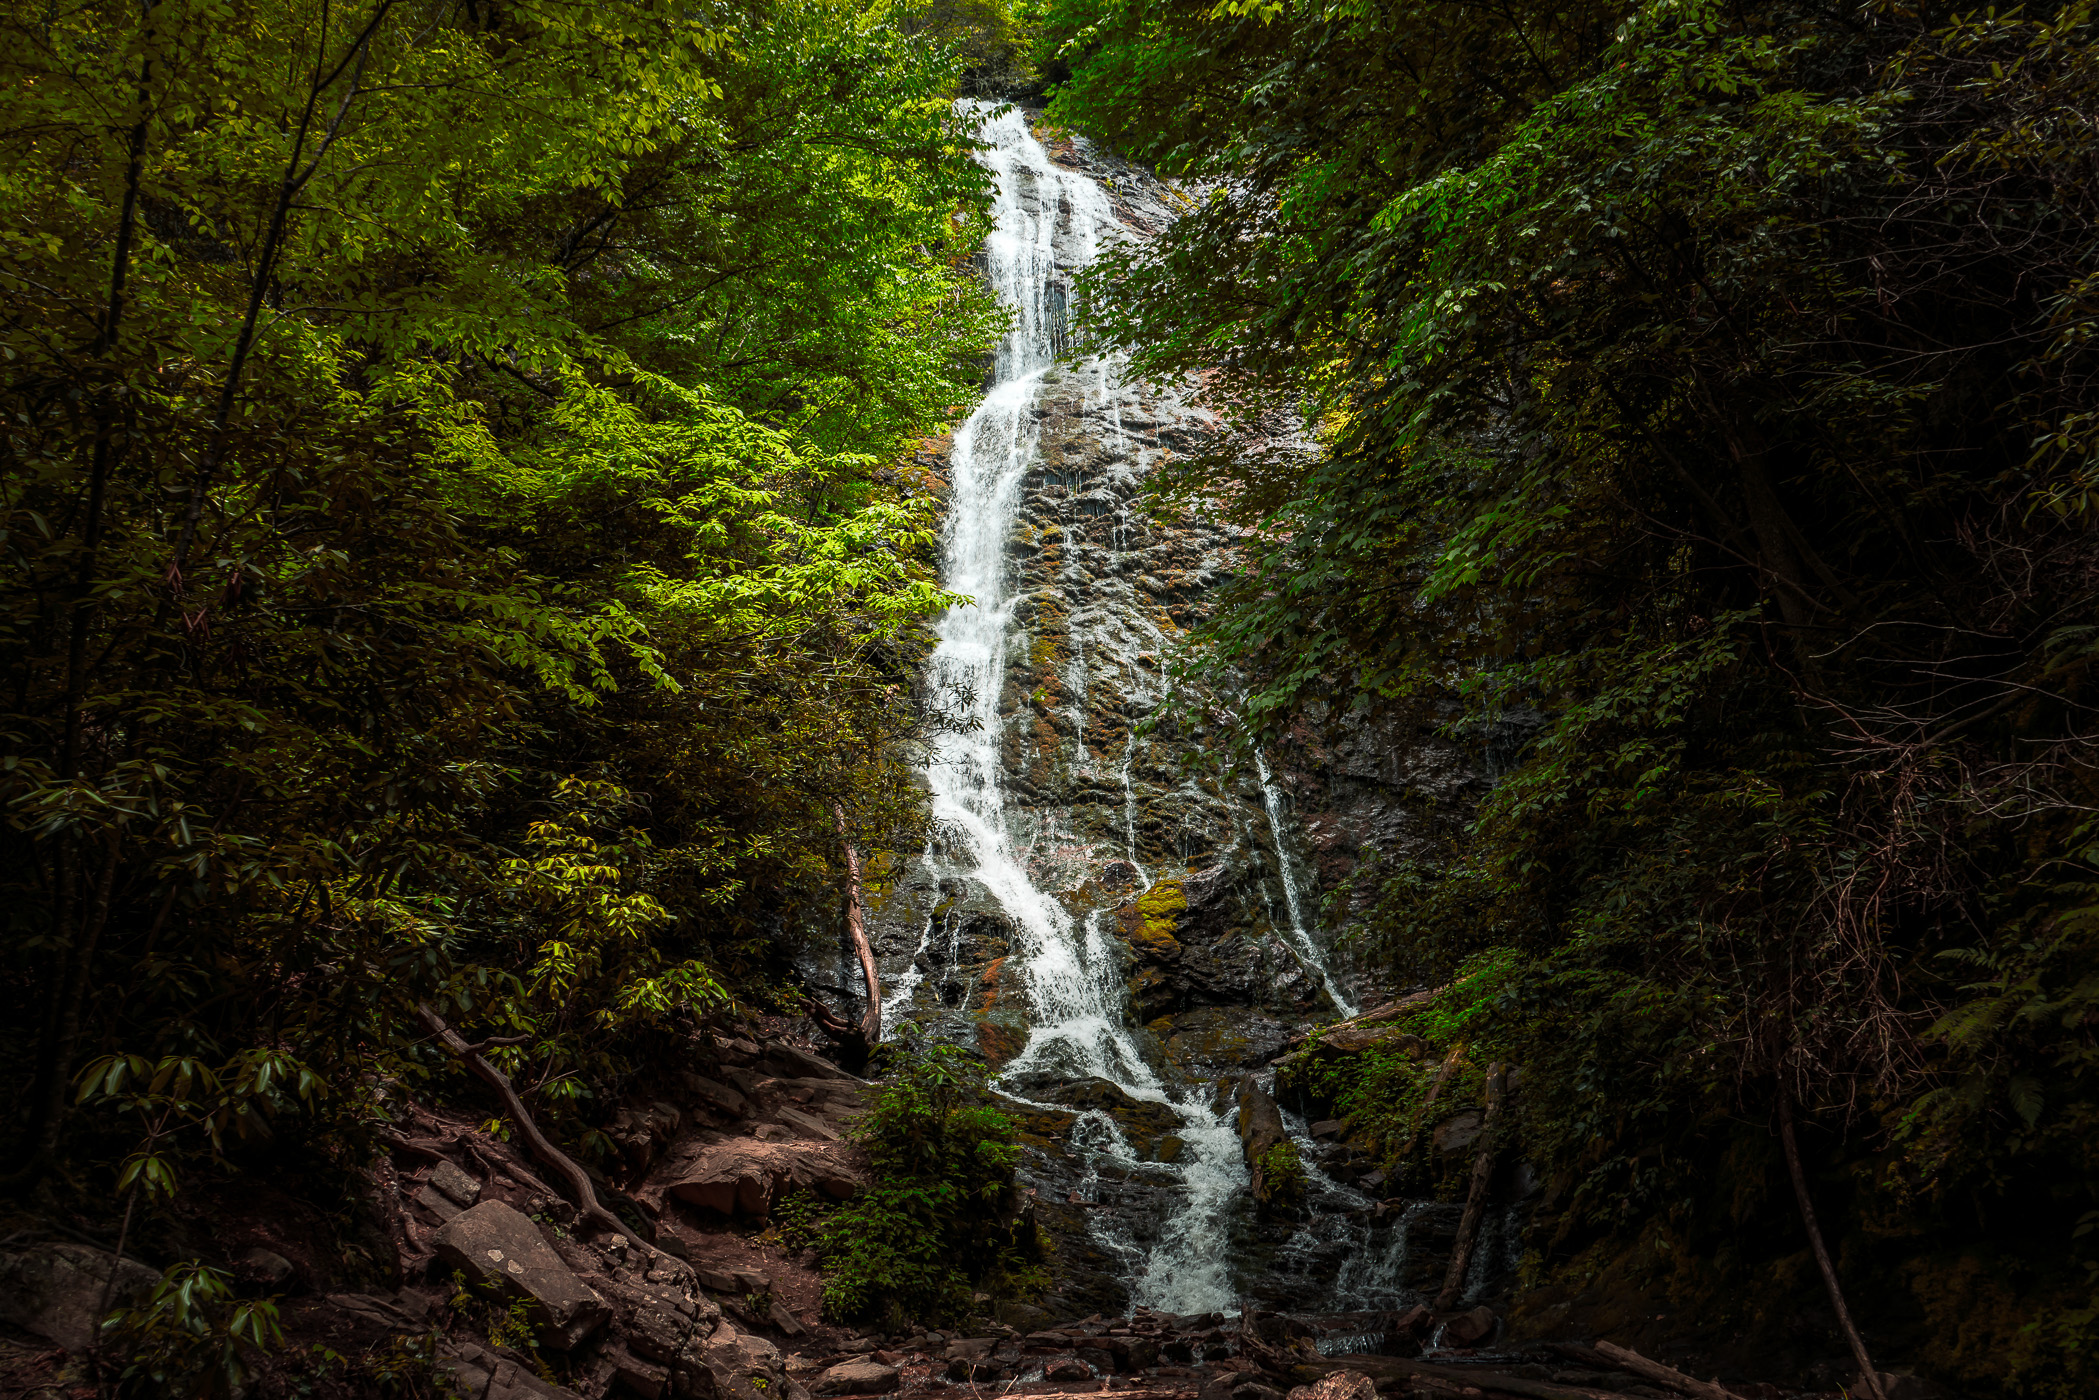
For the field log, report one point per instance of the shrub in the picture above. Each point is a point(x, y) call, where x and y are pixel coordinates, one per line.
point(940, 1215)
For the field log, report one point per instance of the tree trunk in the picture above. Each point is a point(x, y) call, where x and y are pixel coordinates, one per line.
point(1476, 1197)
point(856, 929)
point(1869, 1376)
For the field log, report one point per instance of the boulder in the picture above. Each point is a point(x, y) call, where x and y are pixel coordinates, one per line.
point(657, 1333)
point(480, 1374)
point(717, 1096)
point(1069, 1369)
point(725, 1364)
point(856, 1378)
point(1469, 1329)
point(777, 1314)
point(501, 1250)
point(734, 1281)
point(743, 1177)
point(792, 1061)
point(645, 1379)
point(265, 1266)
point(55, 1290)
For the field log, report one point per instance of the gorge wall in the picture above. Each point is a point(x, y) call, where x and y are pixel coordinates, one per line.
point(1121, 925)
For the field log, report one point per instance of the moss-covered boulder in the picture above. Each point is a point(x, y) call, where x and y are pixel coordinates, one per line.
point(1150, 920)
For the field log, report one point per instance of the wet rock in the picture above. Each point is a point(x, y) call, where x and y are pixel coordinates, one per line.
point(1143, 1121)
point(500, 1249)
point(1210, 1041)
point(55, 1290)
point(1261, 1130)
point(856, 1378)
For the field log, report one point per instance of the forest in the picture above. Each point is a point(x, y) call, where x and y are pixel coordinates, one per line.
point(470, 519)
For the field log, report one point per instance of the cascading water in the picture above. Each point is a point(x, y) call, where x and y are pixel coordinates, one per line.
point(1306, 949)
point(1024, 929)
point(1048, 219)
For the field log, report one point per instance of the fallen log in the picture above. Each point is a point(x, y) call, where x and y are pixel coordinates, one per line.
point(1626, 1359)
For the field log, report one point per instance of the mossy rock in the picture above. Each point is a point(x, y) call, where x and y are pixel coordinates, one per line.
point(1151, 920)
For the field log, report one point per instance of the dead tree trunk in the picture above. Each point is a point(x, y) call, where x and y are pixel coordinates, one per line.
point(1867, 1375)
point(1476, 1197)
point(856, 929)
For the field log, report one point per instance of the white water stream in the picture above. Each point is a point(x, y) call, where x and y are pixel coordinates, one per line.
point(1050, 222)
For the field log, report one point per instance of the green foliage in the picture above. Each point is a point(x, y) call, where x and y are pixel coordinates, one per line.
point(1282, 1176)
point(458, 531)
point(1702, 398)
point(940, 1216)
point(191, 1339)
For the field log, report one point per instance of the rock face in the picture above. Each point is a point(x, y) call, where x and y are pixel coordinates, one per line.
point(502, 1251)
point(55, 1290)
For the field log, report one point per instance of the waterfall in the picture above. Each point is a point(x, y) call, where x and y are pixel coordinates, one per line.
point(1049, 222)
point(1301, 940)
